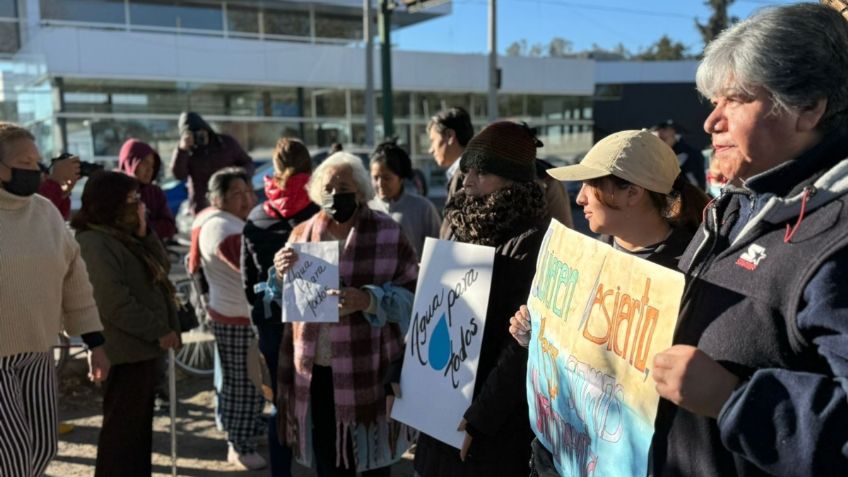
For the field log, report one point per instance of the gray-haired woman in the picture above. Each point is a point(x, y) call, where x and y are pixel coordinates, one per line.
point(758, 376)
point(216, 247)
point(330, 395)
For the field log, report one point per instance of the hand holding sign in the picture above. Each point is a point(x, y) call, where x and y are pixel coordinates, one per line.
point(310, 272)
point(351, 299)
point(284, 259)
point(519, 326)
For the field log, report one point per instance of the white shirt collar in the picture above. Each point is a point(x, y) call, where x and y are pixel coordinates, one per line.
point(453, 168)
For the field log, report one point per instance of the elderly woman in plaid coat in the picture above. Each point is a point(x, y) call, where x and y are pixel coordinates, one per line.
point(331, 394)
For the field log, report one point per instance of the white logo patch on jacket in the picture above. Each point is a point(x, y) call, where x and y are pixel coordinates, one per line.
point(750, 259)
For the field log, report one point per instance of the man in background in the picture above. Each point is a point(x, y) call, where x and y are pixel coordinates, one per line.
point(449, 131)
point(691, 160)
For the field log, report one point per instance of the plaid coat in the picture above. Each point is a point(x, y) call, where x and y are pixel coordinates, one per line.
point(375, 252)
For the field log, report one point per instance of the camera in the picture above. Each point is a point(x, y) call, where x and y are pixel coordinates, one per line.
point(201, 138)
point(86, 168)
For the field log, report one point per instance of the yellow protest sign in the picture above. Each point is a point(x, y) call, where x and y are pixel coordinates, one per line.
point(599, 316)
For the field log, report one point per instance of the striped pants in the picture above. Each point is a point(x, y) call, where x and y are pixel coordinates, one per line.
point(28, 421)
point(238, 404)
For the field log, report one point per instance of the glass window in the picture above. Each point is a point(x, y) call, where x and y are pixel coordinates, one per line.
point(163, 13)
point(338, 26)
point(105, 11)
point(400, 104)
point(257, 138)
point(246, 103)
point(242, 19)
point(534, 106)
point(511, 105)
point(286, 22)
point(109, 134)
point(9, 39)
point(428, 104)
point(325, 133)
point(8, 8)
point(329, 103)
point(287, 103)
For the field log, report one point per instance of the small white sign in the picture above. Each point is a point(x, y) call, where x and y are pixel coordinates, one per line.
point(445, 337)
point(306, 284)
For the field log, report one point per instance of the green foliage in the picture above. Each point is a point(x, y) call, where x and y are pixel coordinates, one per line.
point(718, 21)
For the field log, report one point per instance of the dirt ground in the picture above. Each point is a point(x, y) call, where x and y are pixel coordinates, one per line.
point(202, 449)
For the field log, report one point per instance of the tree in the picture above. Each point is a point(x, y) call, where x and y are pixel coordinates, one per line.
point(559, 47)
point(717, 22)
point(663, 50)
point(517, 48)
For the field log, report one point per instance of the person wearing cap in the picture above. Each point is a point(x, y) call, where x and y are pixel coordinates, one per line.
point(759, 371)
point(690, 159)
point(634, 195)
point(500, 206)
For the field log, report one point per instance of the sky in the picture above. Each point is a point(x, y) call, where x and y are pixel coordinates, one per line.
point(635, 24)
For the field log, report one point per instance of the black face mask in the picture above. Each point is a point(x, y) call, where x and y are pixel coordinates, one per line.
point(24, 182)
point(340, 207)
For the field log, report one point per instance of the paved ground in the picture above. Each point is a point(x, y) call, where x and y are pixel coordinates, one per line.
point(202, 448)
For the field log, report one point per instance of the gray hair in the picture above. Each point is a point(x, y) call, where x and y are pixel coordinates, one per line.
point(798, 53)
point(221, 180)
point(315, 187)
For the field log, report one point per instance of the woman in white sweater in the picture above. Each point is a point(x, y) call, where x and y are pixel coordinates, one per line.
point(44, 288)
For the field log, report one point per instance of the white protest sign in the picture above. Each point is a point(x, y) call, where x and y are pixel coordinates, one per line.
point(305, 285)
point(444, 339)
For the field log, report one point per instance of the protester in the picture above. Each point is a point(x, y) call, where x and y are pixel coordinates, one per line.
point(759, 369)
point(61, 177)
point(500, 206)
point(267, 230)
point(216, 248)
point(690, 159)
point(200, 154)
point(417, 216)
point(44, 289)
point(128, 268)
point(332, 399)
point(635, 196)
point(449, 132)
point(137, 159)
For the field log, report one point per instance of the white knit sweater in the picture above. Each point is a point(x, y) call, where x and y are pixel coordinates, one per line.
point(44, 285)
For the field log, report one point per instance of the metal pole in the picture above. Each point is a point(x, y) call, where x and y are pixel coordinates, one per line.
point(386, 67)
point(172, 395)
point(492, 104)
point(367, 23)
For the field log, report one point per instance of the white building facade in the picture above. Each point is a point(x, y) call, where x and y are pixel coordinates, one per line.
point(96, 72)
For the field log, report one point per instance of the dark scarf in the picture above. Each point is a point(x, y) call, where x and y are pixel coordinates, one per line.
point(494, 218)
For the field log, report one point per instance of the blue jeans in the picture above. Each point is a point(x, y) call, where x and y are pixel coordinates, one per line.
point(270, 336)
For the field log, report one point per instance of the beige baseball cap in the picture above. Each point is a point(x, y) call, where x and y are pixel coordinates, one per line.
point(638, 157)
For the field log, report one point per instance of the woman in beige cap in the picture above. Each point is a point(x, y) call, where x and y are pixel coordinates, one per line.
point(634, 196)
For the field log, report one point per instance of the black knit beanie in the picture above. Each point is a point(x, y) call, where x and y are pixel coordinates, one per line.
point(503, 148)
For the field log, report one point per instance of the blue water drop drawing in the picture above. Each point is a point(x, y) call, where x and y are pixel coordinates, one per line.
point(439, 351)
